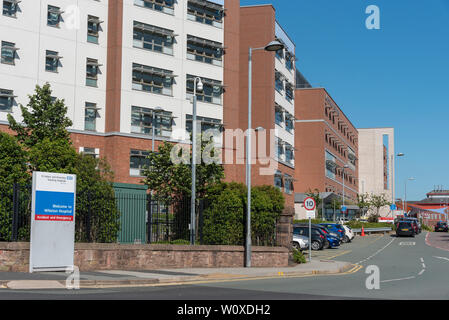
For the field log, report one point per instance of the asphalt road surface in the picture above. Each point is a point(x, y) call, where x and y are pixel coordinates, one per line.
point(408, 268)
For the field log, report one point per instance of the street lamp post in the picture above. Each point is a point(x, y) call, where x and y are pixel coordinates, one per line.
point(272, 46)
point(193, 188)
point(400, 154)
point(153, 133)
point(343, 196)
point(405, 194)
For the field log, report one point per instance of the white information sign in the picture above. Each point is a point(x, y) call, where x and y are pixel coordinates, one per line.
point(52, 239)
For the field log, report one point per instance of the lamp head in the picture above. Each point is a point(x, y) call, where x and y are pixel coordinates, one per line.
point(274, 46)
point(199, 86)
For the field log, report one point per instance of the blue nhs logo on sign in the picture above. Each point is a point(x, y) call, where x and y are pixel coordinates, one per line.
point(69, 178)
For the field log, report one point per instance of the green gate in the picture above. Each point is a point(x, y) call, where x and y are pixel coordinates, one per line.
point(132, 204)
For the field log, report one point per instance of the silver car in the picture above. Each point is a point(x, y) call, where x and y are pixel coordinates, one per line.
point(300, 242)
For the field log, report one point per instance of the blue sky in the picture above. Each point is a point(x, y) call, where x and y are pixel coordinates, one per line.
point(397, 76)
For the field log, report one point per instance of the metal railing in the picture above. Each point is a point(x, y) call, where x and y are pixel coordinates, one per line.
point(372, 230)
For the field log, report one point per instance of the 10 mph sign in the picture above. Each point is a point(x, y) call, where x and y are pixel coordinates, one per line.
point(310, 205)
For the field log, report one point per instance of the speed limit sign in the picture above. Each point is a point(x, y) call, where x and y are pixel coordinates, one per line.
point(310, 205)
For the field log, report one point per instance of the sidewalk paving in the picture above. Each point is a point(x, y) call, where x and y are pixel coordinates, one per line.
point(120, 278)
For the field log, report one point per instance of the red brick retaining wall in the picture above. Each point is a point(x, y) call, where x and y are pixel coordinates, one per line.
point(14, 256)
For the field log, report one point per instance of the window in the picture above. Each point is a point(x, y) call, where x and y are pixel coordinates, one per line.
point(279, 83)
point(90, 152)
point(8, 52)
point(92, 70)
point(10, 7)
point(153, 38)
point(212, 90)
point(279, 115)
point(203, 50)
point(54, 16)
point(93, 28)
point(204, 124)
point(289, 122)
point(166, 6)
point(280, 54)
point(289, 61)
point(142, 121)
point(289, 92)
point(279, 148)
point(278, 183)
point(205, 12)
point(6, 100)
point(90, 116)
point(52, 61)
point(288, 182)
point(152, 79)
point(138, 161)
point(331, 166)
point(289, 156)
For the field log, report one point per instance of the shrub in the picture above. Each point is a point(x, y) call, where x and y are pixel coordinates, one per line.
point(427, 228)
point(298, 257)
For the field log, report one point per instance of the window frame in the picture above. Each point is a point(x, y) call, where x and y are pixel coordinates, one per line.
point(58, 14)
point(161, 125)
point(200, 53)
point(141, 77)
point(4, 47)
point(142, 156)
point(156, 34)
point(198, 13)
point(93, 33)
point(52, 55)
point(92, 75)
point(157, 5)
point(7, 96)
point(210, 84)
point(14, 8)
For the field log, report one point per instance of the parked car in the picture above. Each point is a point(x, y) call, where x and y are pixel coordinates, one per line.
point(331, 237)
point(300, 242)
point(441, 226)
point(337, 228)
point(405, 228)
point(319, 241)
point(348, 232)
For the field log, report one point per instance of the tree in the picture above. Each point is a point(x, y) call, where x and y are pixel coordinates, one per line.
point(45, 117)
point(377, 201)
point(172, 181)
point(12, 170)
point(45, 143)
point(363, 202)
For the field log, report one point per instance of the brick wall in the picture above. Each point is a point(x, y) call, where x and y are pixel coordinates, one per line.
point(88, 257)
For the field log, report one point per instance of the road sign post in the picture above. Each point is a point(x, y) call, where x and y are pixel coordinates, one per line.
point(310, 206)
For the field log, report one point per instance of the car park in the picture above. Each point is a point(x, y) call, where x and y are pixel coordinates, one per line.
point(300, 242)
point(405, 228)
point(319, 241)
point(441, 226)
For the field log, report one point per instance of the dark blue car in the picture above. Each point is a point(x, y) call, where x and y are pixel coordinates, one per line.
point(333, 241)
point(338, 229)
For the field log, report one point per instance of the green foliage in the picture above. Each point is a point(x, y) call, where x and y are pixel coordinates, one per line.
point(42, 119)
point(171, 181)
point(314, 221)
point(298, 256)
point(225, 217)
point(427, 228)
point(43, 143)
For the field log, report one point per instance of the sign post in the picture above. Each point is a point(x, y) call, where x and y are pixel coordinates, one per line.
point(52, 239)
point(310, 206)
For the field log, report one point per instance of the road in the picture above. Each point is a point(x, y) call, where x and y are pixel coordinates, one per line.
point(409, 268)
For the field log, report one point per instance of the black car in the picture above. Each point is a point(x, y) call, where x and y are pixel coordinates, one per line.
point(441, 226)
point(318, 239)
point(405, 228)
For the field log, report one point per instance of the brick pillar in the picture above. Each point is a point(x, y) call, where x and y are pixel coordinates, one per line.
point(284, 228)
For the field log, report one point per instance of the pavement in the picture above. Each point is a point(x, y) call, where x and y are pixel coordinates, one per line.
point(165, 277)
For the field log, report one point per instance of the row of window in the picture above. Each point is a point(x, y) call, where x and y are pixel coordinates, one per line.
point(54, 18)
point(283, 182)
point(284, 119)
point(284, 151)
point(286, 57)
point(160, 81)
point(157, 39)
point(282, 84)
point(341, 148)
point(197, 10)
point(333, 170)
point(52, 62)
point(331, 112)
